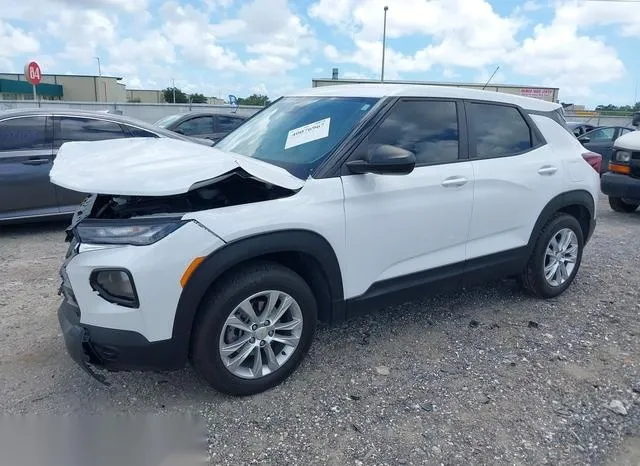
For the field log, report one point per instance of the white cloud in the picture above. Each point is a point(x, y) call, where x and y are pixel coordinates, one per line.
point(603, 13)
point(453, 33)
point(555, 55)
point(31, 10)
point(260, 89)
point(15, 41)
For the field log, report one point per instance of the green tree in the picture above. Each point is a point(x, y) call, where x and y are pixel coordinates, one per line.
point(254, 99)
point(198, 98)
point(622, 108)
point(181, 97)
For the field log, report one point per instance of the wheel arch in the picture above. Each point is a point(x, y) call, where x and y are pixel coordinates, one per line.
point(578, 203)
point(305, 252)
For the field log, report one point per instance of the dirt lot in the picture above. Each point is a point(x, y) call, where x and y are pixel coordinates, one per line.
point(483, 376)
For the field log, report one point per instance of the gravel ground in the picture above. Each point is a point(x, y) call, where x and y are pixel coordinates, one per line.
point(483, 376)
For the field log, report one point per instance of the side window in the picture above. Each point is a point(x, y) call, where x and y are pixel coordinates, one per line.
point(497, 130)
point(197, 125)
point(428, 128)
point(86, 129)
point(602, 134)
point(139, 133)
point(26, 133)
point(228, 124)
point(625, 131)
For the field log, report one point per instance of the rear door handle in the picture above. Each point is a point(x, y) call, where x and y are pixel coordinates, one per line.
point(547, 170)
point(454, 181)
point(36, 161)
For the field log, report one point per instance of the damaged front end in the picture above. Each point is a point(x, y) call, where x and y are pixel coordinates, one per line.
point(234, 188)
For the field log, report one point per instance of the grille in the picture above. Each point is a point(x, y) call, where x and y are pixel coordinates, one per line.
point(65, 287)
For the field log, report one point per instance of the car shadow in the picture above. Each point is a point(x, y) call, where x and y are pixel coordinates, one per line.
point(33, 227)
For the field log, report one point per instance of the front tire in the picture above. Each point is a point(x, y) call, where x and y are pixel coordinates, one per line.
point(555, 259)
point(254, 329)
point(618, 205)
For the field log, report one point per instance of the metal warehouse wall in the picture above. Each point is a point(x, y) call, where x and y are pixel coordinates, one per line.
point(146, 112)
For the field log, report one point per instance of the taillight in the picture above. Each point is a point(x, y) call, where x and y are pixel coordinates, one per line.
point(593, 159)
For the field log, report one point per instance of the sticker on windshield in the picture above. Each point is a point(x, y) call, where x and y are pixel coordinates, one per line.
point(308, 133)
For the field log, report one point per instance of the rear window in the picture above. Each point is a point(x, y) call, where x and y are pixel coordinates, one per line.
point(497, 130)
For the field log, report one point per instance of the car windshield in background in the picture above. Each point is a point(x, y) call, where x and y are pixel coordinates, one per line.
point(298, 133)
point(166, 121)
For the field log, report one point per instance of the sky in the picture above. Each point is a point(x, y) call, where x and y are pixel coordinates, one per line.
point(589, 49)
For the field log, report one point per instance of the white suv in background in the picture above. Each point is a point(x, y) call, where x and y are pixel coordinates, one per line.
point(325, 204)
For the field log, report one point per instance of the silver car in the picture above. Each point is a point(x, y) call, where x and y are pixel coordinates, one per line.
point(29, 141)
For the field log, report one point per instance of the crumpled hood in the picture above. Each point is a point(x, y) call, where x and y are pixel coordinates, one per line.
point(153, 167)
point(629, 141)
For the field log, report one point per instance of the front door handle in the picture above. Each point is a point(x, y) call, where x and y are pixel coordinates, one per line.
point(35, 161)
point(547, 170)
point(454, 181)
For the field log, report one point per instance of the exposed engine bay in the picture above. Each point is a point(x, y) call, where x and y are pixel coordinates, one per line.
point(235, 188)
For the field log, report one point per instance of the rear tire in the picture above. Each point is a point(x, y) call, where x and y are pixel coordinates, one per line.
point(218, 342)
point(619, 205)
point(540, 278)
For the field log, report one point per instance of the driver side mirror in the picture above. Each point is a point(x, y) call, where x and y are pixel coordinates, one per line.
point(179, 131)
point(384, 159)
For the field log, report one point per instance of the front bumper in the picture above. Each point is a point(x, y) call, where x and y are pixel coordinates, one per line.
point(622, 186)
point(113, 349)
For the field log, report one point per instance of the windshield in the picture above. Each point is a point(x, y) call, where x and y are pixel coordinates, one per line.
point(298, 133)
point(166, 121)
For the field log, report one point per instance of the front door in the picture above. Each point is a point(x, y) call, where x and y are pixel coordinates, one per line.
point(25, 161)
point(399, 225)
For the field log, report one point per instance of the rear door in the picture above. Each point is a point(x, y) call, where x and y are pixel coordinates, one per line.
point(25, 161)
point(516, 175)
point(70, 128)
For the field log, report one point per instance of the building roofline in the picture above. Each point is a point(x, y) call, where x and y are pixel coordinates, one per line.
point(430, 83)
point(67, 75)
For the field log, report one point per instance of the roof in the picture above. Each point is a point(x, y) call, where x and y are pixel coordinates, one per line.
point(84, 113)
point(430, 83)
point(413, 90)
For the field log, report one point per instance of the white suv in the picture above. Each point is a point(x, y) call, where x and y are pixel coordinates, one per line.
point(325, 204)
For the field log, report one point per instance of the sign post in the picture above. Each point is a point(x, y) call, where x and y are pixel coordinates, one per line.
point(33, 75)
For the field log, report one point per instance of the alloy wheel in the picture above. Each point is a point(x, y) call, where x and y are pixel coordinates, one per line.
point(561, 256)
point(261, 334)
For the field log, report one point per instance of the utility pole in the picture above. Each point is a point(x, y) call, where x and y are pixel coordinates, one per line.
point(384, 42)
point(173, 81)
point(100, 72)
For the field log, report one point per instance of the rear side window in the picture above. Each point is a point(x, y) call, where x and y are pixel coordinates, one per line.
point(227, 124)
point(140, 133)
point(427, 128)
point(26, 133)
point(86, 129)
point(602, 134)
point(198, 125)
point(497, 130)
